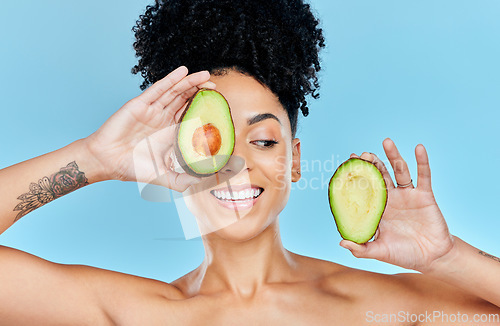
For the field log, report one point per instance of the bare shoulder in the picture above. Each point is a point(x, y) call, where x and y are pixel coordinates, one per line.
point(408, 292)
point(37, 291)
point(436, 294)
point(127, 298)
point(105, 281)
point(368, 288)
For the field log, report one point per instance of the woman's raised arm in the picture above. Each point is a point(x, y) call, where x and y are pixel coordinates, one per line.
point(108, 154)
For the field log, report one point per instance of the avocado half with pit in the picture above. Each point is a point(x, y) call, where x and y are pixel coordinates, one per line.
point(205, 134)
point(358, 196)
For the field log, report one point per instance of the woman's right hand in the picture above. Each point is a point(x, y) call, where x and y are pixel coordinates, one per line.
point(136, 143)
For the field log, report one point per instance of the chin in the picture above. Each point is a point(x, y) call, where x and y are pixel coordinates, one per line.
point(242, 230)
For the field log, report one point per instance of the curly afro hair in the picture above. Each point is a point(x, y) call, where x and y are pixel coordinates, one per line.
point(275, 41)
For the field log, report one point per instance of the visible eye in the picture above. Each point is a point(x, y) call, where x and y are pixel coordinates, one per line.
point(265, 143)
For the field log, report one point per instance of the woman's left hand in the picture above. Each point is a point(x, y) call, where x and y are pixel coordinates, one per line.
point(412, 232)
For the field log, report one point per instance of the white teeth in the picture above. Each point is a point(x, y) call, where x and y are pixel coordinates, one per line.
point(238, 195)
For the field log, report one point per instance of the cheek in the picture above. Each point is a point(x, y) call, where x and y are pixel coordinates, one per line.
point(197, 201)
point(202, 211)
point(282, 163)
point(279, 173)
point(277, 169)
point(209, 216)
point(193, 204)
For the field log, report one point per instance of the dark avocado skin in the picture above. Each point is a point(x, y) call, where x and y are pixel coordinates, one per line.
point(329, 201)
point(177, 150)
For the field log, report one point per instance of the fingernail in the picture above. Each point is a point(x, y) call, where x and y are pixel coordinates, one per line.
point(180, 68)
point(210, 84)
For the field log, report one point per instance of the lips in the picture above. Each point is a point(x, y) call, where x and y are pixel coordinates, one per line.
point(237, 196)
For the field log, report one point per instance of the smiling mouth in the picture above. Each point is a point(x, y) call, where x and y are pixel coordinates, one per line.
point(235, 196)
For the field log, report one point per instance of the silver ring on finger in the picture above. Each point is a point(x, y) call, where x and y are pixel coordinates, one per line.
point(406, 184)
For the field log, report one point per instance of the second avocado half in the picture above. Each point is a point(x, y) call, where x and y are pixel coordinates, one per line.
point(358, 196)
point(205, 135)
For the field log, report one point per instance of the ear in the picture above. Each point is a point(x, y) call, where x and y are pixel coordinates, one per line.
point(295, 160)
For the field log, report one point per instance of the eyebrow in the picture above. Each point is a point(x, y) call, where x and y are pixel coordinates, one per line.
point(262, 116)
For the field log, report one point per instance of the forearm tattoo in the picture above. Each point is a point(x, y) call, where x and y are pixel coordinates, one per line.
point(47, 189)
point(489, 256)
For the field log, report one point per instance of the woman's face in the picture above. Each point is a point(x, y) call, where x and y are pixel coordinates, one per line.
point(264, 163)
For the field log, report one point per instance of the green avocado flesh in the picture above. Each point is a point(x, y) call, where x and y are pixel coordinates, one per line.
point(358, 195)
point(205, 137)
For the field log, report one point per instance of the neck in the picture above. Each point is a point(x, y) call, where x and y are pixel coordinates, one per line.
point(245, 267)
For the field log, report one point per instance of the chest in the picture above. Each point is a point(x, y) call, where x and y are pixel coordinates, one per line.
point(293, 308)
point(290, 310)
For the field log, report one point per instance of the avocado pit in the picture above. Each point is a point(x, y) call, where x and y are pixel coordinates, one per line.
point(207, 140)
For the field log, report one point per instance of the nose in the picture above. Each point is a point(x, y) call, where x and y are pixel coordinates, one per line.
point(235, 165)
point(239, 160)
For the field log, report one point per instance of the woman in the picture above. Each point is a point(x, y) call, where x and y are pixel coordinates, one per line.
point(263, 56)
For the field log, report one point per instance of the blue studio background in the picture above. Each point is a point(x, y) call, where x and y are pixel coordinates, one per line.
point(418, 72)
